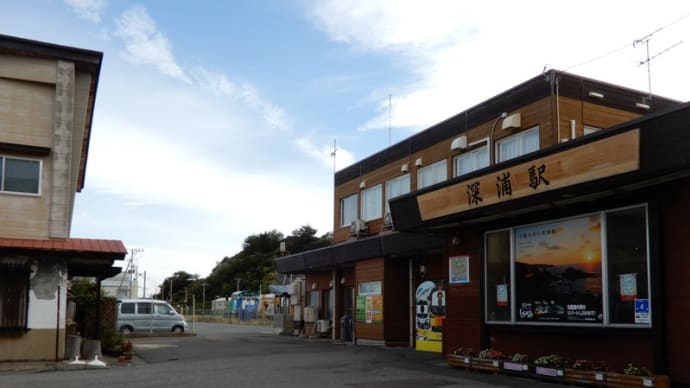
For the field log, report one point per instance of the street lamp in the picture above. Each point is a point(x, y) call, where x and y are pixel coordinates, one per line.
point(492, 152)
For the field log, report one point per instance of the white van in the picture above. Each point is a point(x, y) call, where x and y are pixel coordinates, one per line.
point(148, 315)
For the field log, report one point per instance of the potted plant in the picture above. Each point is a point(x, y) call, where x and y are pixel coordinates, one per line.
point(550, 366)
point(586, 372)
point(488, 360)
point(517, 364)
point(460, 358)
point(126, 348)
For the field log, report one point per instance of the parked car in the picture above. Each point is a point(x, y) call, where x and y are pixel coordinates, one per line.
point(148, 315)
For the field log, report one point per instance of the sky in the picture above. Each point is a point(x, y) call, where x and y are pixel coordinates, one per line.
point(216, 120)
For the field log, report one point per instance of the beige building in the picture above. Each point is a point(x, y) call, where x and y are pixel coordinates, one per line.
point(47, 96)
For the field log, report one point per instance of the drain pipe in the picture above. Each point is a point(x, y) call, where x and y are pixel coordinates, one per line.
point(57, 328)
point(411, 304)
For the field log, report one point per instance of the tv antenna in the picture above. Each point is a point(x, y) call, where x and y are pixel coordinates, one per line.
point(645, 41)
point(333, 155)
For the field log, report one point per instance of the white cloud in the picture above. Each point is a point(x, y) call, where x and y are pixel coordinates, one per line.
point(87, 9)
point(462, 54)
point(144, 44)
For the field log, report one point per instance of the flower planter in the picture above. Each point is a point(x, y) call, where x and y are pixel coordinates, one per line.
point(515, 368)
point(486, 365)
point(620, 380)
point(586, 378)
point(459, 361)
point(549, 374)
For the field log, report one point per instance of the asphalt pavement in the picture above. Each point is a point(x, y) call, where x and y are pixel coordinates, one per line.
point(224, 355)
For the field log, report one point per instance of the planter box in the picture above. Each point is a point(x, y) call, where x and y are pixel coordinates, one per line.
point(549, 374)
point(585, 377)
point(458, 361)
point(620, 380)
point(515, 368)
point(485, 365)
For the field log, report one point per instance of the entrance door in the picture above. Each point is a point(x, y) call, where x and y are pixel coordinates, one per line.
point(429, 315)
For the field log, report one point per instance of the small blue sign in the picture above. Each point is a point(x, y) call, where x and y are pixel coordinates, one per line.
point(642, 311)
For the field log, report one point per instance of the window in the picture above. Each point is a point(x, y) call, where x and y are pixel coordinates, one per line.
point(397, 187)
point(427, 176)
point(163, 309)
point(369, 288)
point(471, 161)
point(127, 308)
point(562, 271)
point(14, 303)
point(20, 175)
point(517, 145)
point(371, 203)
point(588, 129)
point(314, 299)
point(348, 210)
point(144, 308)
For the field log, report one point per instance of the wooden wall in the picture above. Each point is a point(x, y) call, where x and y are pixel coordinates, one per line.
point(396, 297)
point(463, 324)
point(365, 271)
point(675, 246)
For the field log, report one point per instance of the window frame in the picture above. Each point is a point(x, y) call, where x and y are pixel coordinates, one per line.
point(520, 137)
point(21, 276)
point(376, 283)
point(3, 167)
point(606, 290)
point(343, 200)
point(470, 154)
point(396, 181)
point(434, 168)
point(376, 193)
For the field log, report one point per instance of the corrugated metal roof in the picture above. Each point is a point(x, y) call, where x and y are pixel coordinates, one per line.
point(68, 245)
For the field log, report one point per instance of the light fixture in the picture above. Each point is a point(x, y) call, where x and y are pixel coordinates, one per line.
point(313, 286)
point(330, 284)
point(342, 280)
point(419, 162)
point(456, 240)
point(422, 271)
point(596, 95)
point(362, 184)
point(458, 143)
point(642, 105)
point(512, 121)
point(404, 168)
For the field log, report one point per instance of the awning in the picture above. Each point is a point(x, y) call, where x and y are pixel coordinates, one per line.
point(84, 257)
point(388, 244)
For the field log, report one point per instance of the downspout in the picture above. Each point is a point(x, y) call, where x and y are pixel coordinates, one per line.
point(411, 320)
point(57, 327)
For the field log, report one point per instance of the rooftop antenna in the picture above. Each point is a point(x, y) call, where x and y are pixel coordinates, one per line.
point(333, 155)
point(645, 40)
point(389, 119)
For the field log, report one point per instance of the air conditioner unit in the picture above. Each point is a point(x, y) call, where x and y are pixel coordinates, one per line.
point(322, 326)
point(358, 227)
point(388, 220)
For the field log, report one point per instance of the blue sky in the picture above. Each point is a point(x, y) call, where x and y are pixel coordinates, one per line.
point(215, 120)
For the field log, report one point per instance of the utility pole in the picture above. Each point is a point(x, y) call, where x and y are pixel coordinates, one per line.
point(238, 283)
point(144, 294)
point(170, 300)
point(203, 293)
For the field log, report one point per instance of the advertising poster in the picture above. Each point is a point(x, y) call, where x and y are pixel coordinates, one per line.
point(559, 271)
point(431, 311)
point(459, 269)
point(628, 286)
point(502, 295)
point(361, 314)
point(376, 308)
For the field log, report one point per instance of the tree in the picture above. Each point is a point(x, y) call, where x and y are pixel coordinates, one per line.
point(173, 288)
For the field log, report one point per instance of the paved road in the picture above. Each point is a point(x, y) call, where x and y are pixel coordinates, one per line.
point(252, 356)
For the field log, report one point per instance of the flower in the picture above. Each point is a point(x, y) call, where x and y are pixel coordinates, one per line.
point(598, 366)
point(551, 361)
point(636, 370)
point(519, 357)
point(491, 354)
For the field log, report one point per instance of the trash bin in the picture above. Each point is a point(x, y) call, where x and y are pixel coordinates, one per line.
point(346, 328)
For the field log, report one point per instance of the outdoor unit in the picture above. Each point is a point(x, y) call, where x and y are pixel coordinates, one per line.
point(322, 326)
point(310, 314)
point(358, 227)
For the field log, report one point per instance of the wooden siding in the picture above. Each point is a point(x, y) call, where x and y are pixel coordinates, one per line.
point(365, 271)
point(27, 117)
point(462, 327)
point(675, 229)
point(396, 313)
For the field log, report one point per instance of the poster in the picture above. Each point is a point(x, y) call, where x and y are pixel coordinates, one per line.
point(642, 311)
point(431, 311)
point(628, 286)
point(559, 271)
point(369, 309)
point(459, 269)
point(502, 295)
